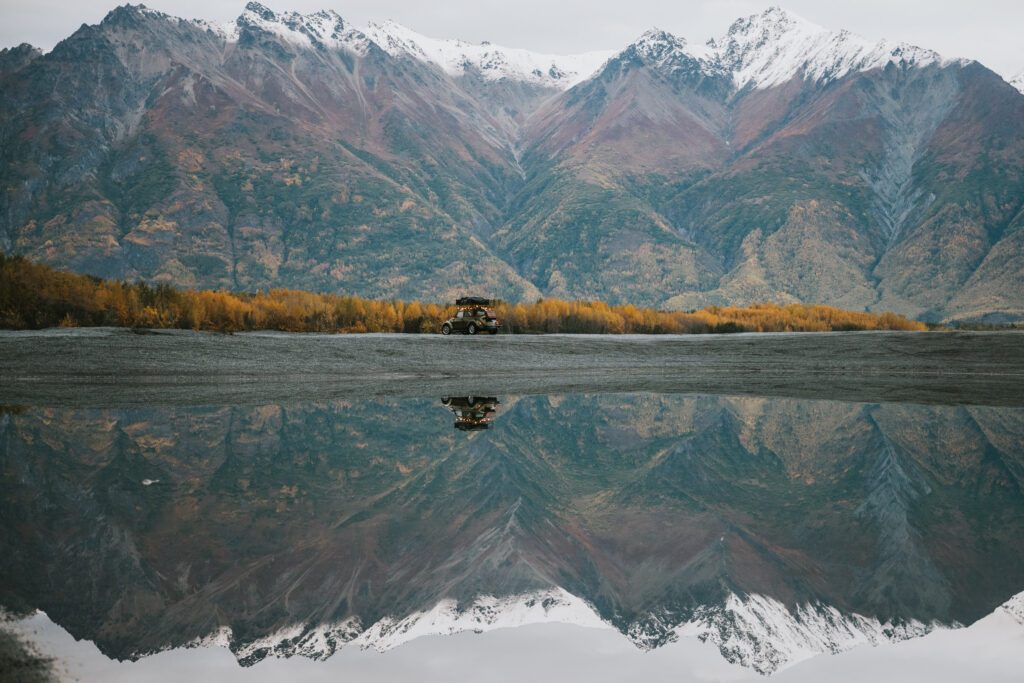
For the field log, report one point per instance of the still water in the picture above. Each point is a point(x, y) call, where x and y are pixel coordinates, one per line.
point(767, 532)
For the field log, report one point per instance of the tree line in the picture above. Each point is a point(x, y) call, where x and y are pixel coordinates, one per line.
point(35, 296)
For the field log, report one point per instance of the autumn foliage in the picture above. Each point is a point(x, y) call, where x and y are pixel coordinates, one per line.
point(34, 296)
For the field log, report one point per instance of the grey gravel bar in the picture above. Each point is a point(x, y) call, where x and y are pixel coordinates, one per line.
point(107, 367)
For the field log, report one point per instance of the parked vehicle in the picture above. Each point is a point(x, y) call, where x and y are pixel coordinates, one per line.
point(472, 317)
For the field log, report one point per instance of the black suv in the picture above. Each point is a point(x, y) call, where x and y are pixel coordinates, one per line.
point(473, 316)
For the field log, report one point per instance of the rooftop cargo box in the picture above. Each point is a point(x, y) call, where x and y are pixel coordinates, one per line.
point(472, 301)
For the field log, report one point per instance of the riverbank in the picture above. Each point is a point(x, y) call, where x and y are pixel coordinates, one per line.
point(101, 367)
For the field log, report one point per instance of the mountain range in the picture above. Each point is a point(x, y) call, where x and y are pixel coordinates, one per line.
point(782, 161)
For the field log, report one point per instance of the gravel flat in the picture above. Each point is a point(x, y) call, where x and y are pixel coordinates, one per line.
point(107, 367)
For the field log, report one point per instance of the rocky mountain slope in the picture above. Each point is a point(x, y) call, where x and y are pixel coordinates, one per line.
point(781, 161)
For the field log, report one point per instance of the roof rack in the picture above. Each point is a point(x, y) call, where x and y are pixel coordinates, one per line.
point(472, 301)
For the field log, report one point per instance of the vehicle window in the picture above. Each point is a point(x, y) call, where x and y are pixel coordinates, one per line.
point(459, 314)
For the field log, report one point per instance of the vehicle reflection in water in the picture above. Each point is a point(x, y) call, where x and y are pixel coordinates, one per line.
point(472, 413)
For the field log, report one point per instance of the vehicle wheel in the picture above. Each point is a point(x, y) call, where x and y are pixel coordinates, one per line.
point(446, 329)
point(471, 329)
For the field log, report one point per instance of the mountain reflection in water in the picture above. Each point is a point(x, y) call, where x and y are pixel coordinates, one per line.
point(769, 527)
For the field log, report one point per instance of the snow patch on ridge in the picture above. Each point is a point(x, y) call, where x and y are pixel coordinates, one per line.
point(493, 62)
point(761, 633)
point(769, 49)
point(664, 45)
point(669, 53)
point(760, 51)
point(325, 28)
point(316, 643)
point(755, 631)
point(485, 614)
point(1015, 608)
point(1018, 82)
point(219, 638)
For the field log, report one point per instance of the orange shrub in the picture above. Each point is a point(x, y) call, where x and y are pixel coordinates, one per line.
point(35, 296)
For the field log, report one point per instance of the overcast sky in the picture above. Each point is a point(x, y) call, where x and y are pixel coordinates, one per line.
point(986, 30)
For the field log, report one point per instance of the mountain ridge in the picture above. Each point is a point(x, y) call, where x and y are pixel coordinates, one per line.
point(826, 53)
point(784, 162)
point(753, 631)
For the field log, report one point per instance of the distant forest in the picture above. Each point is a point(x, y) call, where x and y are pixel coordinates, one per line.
point(34, 296)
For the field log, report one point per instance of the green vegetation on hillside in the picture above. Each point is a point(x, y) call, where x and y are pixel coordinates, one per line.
point(34, 296)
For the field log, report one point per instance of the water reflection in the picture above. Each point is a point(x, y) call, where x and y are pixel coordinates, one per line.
point(753, 523)
point(472, 413)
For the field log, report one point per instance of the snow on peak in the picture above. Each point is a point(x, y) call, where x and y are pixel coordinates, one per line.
point(770, 48)
point(1015, 607)
point(761, 633)
point(656, 41)
point(1018, 82)
point(316, 642)
point(755, 631)
point(455, 57)
point(487, 613)
point(325, 28)
point(759, 51)
point(662, 45)
point(670, 53)
point(493, 62)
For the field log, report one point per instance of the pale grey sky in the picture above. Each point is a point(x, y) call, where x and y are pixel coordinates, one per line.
point(986, 30)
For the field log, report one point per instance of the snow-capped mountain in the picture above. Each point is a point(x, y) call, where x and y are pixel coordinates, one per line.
point(759, 632)
point(325, 28)
point(328, 29)
point(760, 51)
point(447, 617)
point(486, 613)
point(516, 150)
point(669, 53)
point(770, 48)
point(493, 62)
point(755, 631)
